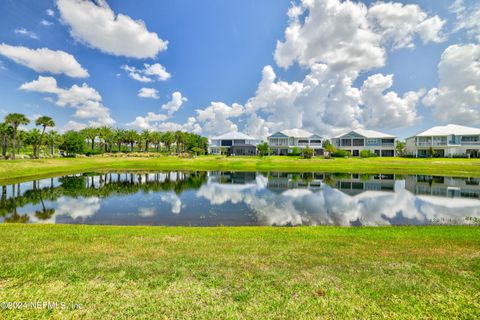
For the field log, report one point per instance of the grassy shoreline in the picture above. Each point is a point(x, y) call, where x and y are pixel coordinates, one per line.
point(21, 170)
point(242, 272)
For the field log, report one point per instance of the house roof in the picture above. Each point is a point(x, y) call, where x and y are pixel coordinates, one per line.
point(295, 133)
point(449, 129)
point(368, 133)
point(234, 136)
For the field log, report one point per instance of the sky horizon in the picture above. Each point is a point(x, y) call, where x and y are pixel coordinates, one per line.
point(212, 66)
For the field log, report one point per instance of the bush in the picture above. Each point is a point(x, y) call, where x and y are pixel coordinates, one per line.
point(341, 154)
point(367, 154)
point(307, 153)
point(295, 152)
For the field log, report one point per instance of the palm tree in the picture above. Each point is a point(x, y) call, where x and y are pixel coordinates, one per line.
point(90, 134)
point(16, 119)
point(167, 139)
point(33, 138)
point(131, 136)
point(54, 139)
point(6, 131)
point(119, 137)
point(156, 138)
point(105, 135)
point(179, 140)
point(45, 122)
point(146, 137)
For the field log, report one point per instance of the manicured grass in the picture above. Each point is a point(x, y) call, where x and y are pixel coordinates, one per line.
point(242, 273)
point(26, 169)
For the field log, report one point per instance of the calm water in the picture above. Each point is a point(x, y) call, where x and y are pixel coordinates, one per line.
point(243, 198)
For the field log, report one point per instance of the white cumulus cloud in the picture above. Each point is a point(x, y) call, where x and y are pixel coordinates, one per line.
point(457, 98)
point(44, 60)
point(148, 93)
point(84, 99)
point(150, 72)
point(95, 24)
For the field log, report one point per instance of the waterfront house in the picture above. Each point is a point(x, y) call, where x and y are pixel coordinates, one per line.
point(234, 143)
point(382, 144)
point(445, 141)
point(283, 142)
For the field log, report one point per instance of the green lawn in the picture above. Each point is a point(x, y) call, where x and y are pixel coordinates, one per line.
point(249, 273)
point(25, 169)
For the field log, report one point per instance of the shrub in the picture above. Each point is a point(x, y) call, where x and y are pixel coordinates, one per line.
point(295, 152)
point(367, 154)
point(341, 154)
point(307, 153)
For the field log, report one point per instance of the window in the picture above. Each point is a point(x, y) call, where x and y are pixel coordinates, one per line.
point(315, 141)
point(302, 141)
point(469, 138)
point(358, 142)
point(346, 142)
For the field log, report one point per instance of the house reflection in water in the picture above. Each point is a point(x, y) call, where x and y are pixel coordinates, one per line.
point(450, 187)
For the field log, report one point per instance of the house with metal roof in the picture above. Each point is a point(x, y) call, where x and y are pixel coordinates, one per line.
point(382, 144)
point(283, 142)
point(445, 141)
point(233, 143)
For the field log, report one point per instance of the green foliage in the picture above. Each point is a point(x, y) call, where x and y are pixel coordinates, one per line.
point(341, 154)
point(73, 143)
point(401, 148)
point(329, 147)
point(295, 151)
point(367, 154)
point(308, 153)
point(263, 149)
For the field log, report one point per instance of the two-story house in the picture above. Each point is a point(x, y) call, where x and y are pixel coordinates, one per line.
point(234, 143)
point(382, 144)
point(445, 141)
point(283, 142)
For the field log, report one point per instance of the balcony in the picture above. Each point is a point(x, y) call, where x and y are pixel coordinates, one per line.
point(388, 145)
point(431, 144)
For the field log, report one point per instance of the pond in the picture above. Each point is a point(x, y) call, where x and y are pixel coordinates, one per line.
point(199, 198)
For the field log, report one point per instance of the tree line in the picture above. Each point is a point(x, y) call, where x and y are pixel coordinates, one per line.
point(89, 141)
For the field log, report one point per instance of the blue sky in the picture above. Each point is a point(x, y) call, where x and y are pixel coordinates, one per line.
point(215, 59)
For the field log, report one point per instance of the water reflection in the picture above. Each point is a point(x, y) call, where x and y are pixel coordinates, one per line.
point(243, 198)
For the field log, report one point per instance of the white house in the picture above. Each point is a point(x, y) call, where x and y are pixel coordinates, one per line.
point(382, 144)
point(235, 143)
point(284, 141)
point(445, 141)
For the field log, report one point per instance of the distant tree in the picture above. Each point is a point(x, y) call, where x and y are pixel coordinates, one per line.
point(146, 137)
point(198, 151)
point(168, 139)
point(329, 147)
point(156, 139)
point(33, 138)
point(431, 152)
point(90, 134)
point(263, 149)
point(6, 131)
point(118, 137)
point(401, 148)
point(105, 134)
point(131, 136)
point(73, 143)
point(179, 140)
point(44, 122)
point(223, 150)
point(307, 153)
point(53, 139)
point(16, 120)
